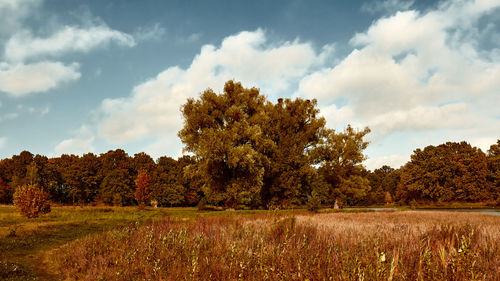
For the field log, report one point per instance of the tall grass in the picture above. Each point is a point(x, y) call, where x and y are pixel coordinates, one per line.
point(361, 246)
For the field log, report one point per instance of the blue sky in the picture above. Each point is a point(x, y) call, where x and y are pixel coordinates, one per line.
point(89, 76)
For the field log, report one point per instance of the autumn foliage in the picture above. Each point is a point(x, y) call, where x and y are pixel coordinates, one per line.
point(447, 172)
point(31, 201)
point(142, 191)
point(253, 153)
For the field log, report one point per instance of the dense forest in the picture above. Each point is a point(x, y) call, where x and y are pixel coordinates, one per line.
point(247, 152)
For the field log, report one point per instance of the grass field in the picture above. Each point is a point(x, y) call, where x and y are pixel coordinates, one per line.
point(102, 243)
point(25, 244)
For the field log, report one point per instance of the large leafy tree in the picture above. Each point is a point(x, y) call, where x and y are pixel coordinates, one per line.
point(340, 157)
point(225, 134)
point(252, 152)
point(295, 130)
point(447, 172)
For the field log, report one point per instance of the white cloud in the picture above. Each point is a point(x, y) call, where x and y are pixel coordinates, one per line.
point(484, 143)
point(23, 45)
point(417, 72)
point(153, 109)
point(422, 118)
point(82, 143)
point(407, 65)
point(393, 160)
point(20, 79)
point(26, 69)
point(338, 117)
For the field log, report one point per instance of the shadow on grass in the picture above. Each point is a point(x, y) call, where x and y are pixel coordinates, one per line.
point(20, 254)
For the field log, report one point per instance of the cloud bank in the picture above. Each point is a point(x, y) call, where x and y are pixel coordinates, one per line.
point(415, 78)
point(28, 66)
point(153, 108)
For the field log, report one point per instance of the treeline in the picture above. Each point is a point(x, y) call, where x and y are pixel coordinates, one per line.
point(108, 178)
point(249, 152)
point(450, 172)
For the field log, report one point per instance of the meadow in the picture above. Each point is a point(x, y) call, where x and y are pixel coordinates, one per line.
point(93, 243)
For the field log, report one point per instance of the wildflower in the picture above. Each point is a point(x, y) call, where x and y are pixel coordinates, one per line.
point(382, 257)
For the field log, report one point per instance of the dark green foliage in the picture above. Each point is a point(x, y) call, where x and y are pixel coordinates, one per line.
point(168, 188)
point(117, 188)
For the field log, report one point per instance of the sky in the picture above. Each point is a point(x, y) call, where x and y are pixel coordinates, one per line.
point(90, 76)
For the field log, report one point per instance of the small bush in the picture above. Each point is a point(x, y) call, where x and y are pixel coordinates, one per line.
point(31, 201)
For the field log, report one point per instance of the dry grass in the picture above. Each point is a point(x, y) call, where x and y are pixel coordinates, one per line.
point(360, 246)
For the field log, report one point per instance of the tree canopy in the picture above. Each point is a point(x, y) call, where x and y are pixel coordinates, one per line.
point(252, 152)
point(447, 172)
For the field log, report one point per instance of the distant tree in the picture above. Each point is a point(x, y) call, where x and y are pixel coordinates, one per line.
point(383, 181)
point(117, 185)
point(340, 157)
point(20, 163)
point(81, 177)
point(31, 201)
point(168, 188)
point(447, 172)
point(62, 184)
point(117, 188)
point(494, 168)
point(142, 188)
point(142, 161)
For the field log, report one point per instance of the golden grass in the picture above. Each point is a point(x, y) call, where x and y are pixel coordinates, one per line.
point(358, 246)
